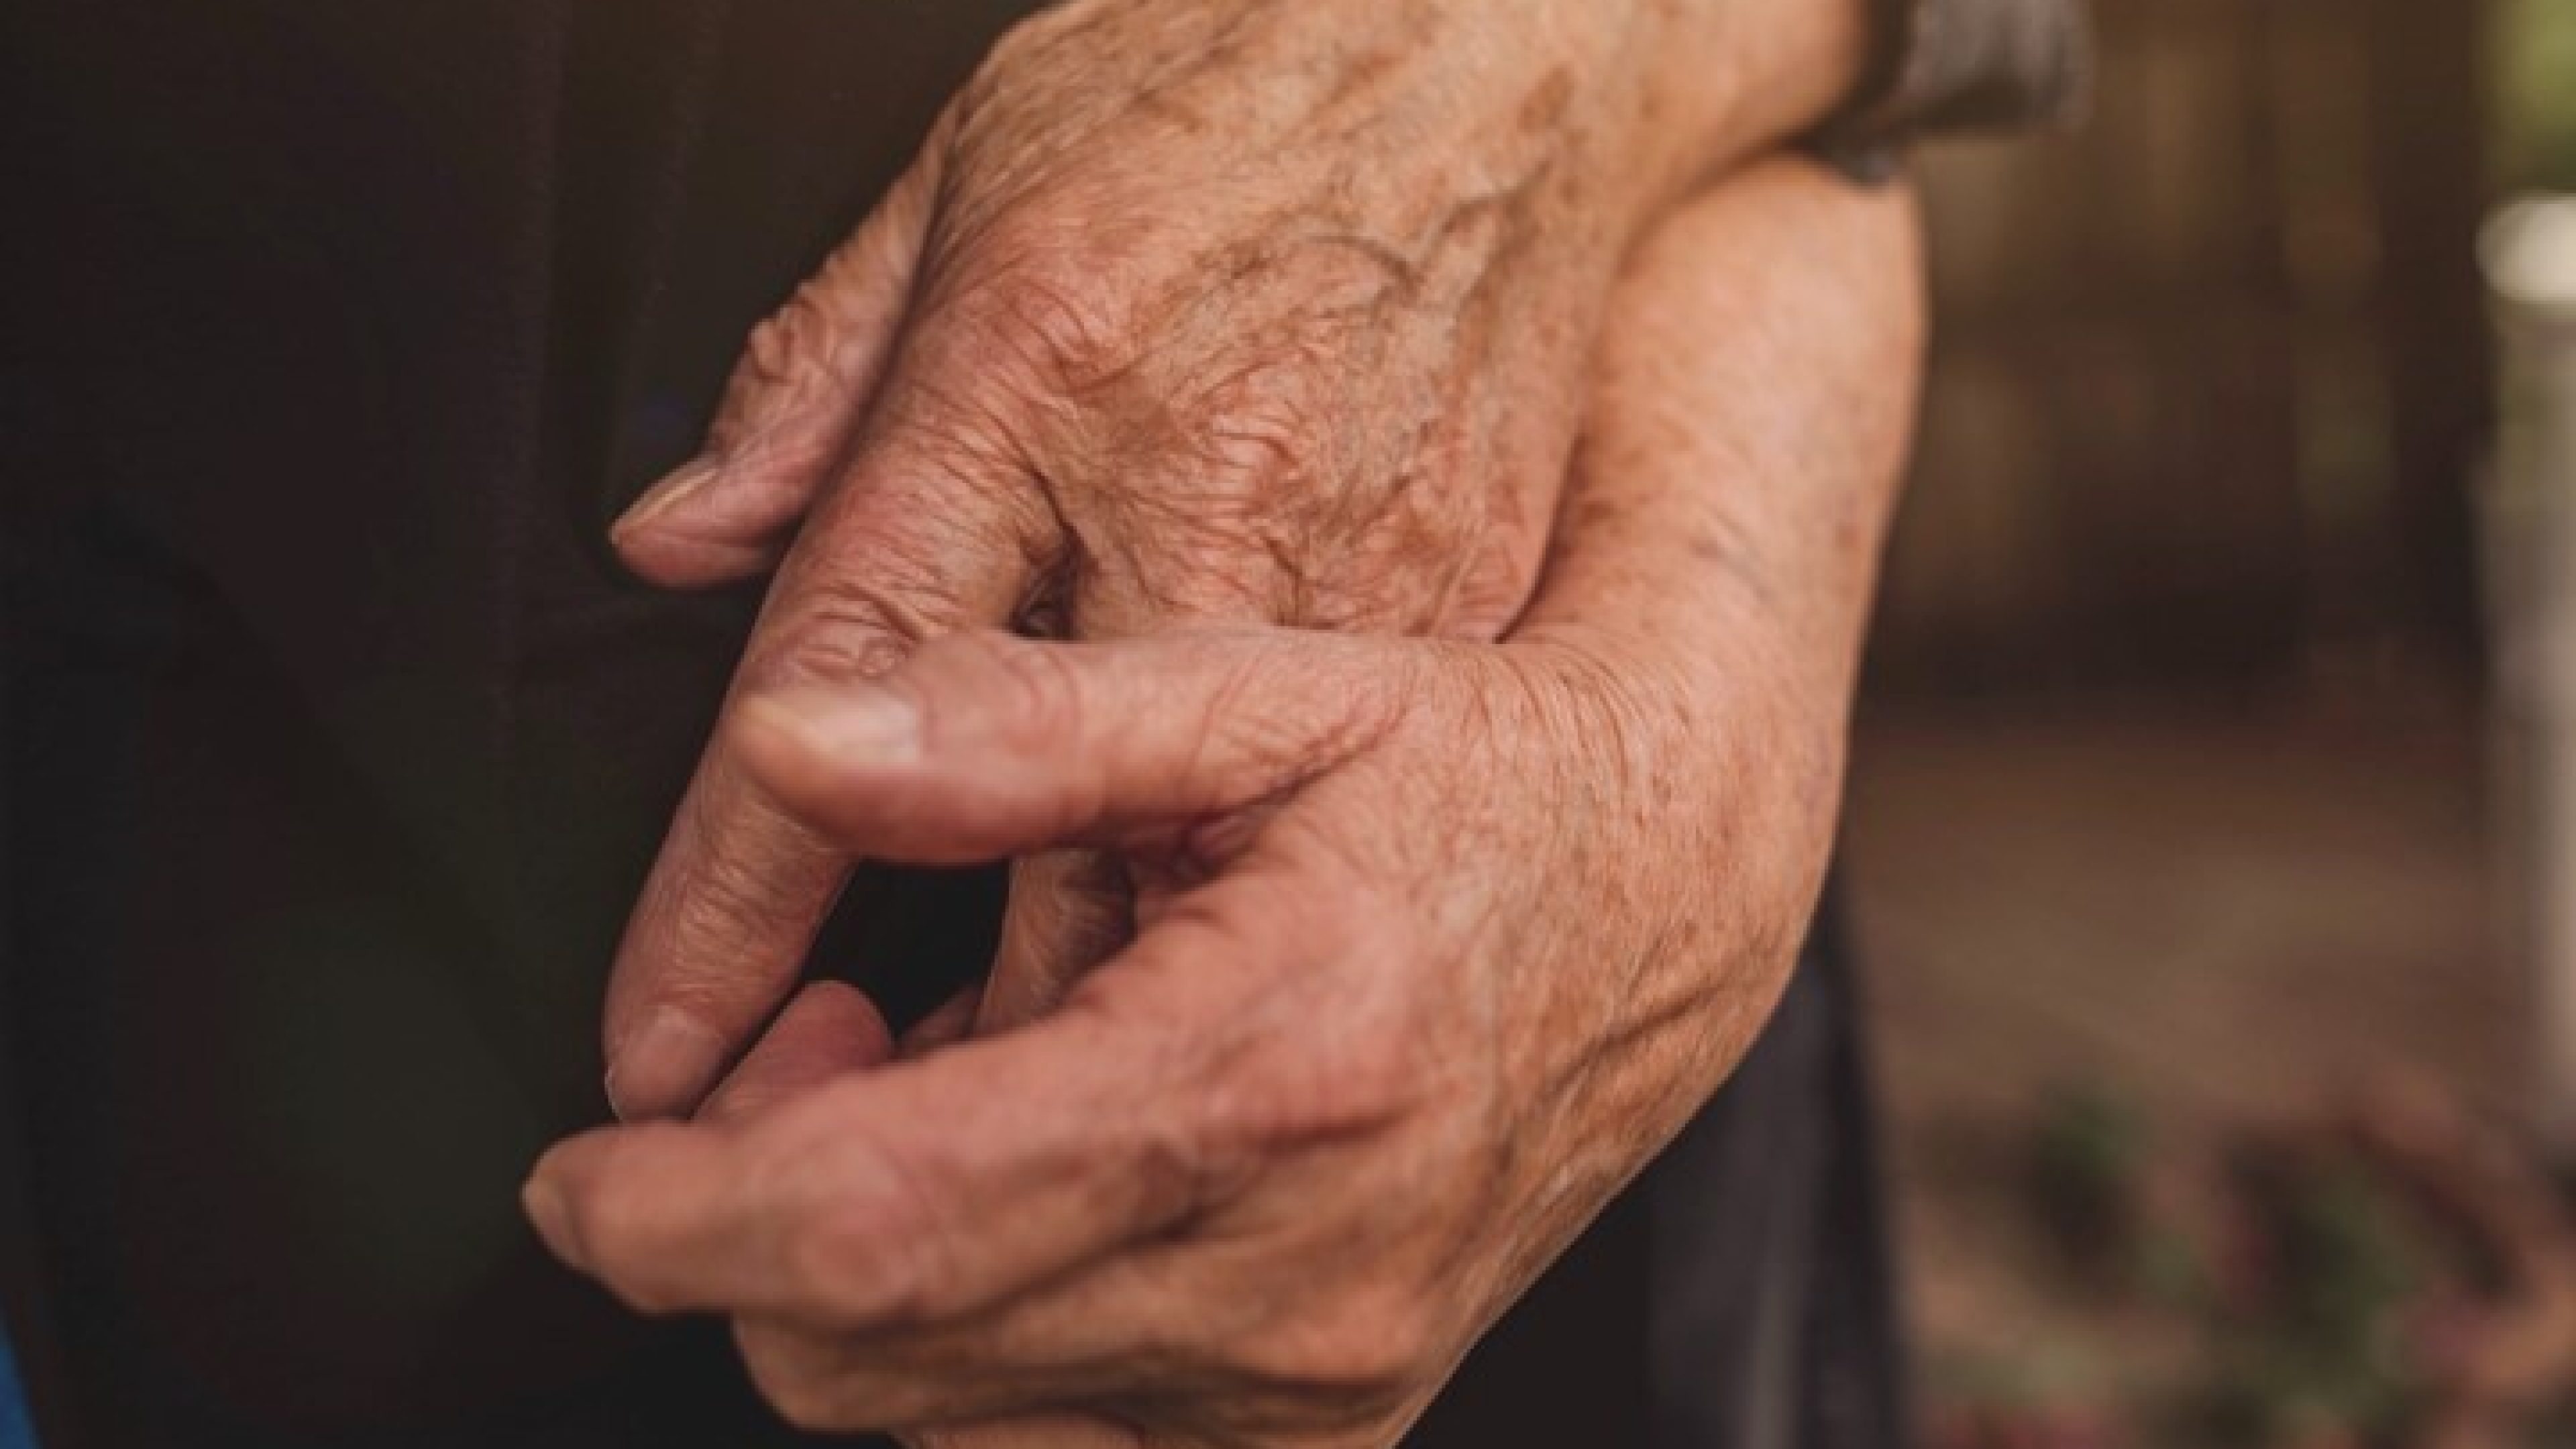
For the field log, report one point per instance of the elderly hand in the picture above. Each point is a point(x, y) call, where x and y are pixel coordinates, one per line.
point(1189, 310)
point(1440, 941)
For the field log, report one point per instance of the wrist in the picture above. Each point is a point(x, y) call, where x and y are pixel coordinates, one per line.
point(1720, 81)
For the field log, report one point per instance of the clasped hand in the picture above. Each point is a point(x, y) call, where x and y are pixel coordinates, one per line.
point(1434, 944)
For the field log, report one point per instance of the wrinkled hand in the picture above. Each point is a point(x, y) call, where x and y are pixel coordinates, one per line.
point(1189, 310)
point(1439, 941)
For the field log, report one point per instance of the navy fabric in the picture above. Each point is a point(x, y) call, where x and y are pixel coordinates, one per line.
point(16, 1431)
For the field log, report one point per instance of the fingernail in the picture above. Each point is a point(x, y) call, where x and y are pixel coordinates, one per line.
point(551, 1216)
point(661, 1067)
point(849, 721)
point(662, 497)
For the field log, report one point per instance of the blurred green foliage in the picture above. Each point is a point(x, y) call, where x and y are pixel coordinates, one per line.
point(2320, 1345)
point(2536, 93)
point(2089, 1163)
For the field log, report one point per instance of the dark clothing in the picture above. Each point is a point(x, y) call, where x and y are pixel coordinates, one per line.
point(336, 744)
point(1952, 65)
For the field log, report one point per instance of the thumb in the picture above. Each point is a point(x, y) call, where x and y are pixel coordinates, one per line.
point(791, 408)
point(986, 745)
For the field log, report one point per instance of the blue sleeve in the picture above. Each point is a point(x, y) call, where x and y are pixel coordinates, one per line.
point(15, 1430)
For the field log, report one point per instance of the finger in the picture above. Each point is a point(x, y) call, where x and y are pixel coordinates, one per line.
point(952, 1023)
point(1069, 910)
point(1200, 1319)
point(925, 536)
point(985, 746)
point(794, 403)
point(935, 1187)
point(828, 1029)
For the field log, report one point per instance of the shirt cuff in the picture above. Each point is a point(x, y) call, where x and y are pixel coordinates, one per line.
point(1962, 65)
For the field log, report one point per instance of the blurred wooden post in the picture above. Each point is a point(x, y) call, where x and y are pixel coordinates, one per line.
point(2430, 140)
point(2530, 555)
point(2211, 373)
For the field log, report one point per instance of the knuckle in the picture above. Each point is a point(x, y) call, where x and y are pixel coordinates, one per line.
point(843, 626)
point(1179, 1169)
point(877, 1257)
point(878, 575)
point(795, 339)
point(1173, 1159)
point(780, 374)
point(1358, 1359)
point(1369, 1073)
point(1043, 295)
point(1351, 1090)
point(856, 1278)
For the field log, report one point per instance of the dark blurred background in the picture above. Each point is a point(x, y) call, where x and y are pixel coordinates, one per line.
point(2180, 834)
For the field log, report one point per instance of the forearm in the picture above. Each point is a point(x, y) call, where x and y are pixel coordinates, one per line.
point(1697, 633)
point(1747, 431)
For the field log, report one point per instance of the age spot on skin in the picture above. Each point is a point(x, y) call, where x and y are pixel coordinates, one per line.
point(1710, 549)
point(1547, 102)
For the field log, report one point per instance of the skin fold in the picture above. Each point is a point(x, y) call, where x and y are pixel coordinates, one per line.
point(1437, 941)
point(1190, 311)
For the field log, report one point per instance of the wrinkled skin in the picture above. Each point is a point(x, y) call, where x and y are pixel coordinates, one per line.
point(1439, 941)
point(1190, 310)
